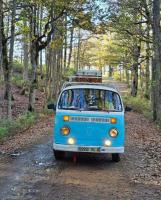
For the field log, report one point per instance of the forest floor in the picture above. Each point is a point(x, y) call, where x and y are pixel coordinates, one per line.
point(28, 169)
point(20, 102)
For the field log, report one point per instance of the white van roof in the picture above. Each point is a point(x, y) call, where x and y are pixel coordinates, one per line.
point(78, 85)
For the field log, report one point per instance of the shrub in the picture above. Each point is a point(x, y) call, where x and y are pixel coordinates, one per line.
point(26, 120)
point(140, 105)
point(19, 81)
point(17, 66)
point(11, 127)
point(3, 132)
point(46, 111)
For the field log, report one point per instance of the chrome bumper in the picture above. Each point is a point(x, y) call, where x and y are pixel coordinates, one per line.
point(75, 148)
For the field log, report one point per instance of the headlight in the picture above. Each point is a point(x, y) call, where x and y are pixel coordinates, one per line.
point(107, 143)
point(71, 141)
point(113, 132)
point(65, 130)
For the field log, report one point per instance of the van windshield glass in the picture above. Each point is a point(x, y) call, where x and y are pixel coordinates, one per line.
point(90, 99)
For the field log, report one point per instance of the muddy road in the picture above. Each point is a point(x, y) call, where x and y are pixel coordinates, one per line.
point(33, 173)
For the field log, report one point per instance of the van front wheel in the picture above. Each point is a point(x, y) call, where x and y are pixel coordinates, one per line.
point(58, 154)
point(115, 157)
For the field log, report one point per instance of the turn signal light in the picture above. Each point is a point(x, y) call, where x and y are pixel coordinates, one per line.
point(113, 120)
point(66, 118)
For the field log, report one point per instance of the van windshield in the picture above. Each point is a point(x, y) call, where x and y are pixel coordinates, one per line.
point(90, 99)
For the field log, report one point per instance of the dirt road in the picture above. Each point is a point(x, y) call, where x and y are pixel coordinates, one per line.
point(33, 173)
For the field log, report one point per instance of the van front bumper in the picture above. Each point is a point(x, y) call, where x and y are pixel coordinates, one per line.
point(90, 149)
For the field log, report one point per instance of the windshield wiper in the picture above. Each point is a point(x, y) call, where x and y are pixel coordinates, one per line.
point(101, 109)
point(69, 108)
point(93, 109)
point(78, 109)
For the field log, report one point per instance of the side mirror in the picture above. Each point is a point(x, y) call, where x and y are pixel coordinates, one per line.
point(128, 109)
point(51, 106)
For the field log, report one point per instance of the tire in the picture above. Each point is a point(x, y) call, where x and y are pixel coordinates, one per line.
point(116, 157)
point(59, 154)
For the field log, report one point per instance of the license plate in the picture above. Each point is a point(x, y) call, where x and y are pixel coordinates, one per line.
point(89, 149)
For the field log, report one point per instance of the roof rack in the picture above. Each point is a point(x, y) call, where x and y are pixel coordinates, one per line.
point(90, 72)
point(67, 84)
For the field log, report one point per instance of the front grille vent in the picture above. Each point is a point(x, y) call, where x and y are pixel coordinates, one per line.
point(90, 119)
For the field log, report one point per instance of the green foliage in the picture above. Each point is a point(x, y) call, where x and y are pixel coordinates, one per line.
point(140, 105)
point(18, 81)
point(8, 128)
point(17, 66)
point(3, 132)
point(69, 72)
point(116, 76)
point(46, 111)
point(26, 120)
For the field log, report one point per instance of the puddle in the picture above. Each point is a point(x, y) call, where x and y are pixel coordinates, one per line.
point(13, 154)
point(46, 164)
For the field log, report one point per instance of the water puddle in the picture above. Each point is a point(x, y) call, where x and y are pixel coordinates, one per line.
point(16, 154)
point(13, 154)
point(46, 164)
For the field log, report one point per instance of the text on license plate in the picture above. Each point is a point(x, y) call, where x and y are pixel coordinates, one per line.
point(89, 149)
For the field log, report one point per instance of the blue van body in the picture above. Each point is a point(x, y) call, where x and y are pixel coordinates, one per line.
point(89, 129)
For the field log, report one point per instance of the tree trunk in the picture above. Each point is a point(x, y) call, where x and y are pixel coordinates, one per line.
point(134, 85)
point(7, 64)
point(120, 74)
point(53, 74)
point(34, 54)
point(70, 47)
point(33, 86)
point(26, 55)
point(78, 51)
point(7, 78)
point(147, 74)
point(65, 44)
point(41, 52)
point(127, 76)
point(110, 71)
point(156, 66)
point(1, 19)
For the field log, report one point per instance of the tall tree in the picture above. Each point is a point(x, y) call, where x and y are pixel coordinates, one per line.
point(8, 61)
point(156, 66)
point(65, 42)
point(1, 23)
point(25, 51)
point(1, 19)
point(70, 46)
point(38, 44)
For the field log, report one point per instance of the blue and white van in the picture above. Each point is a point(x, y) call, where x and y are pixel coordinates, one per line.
point(89, 118)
